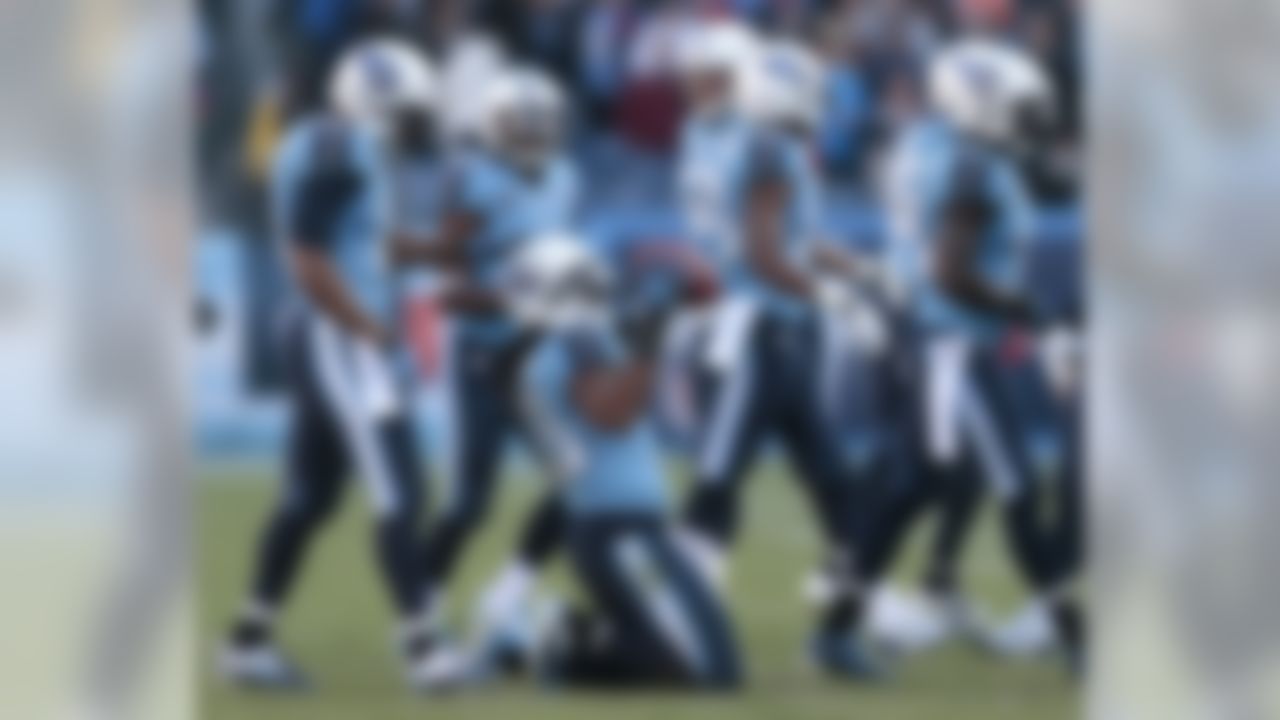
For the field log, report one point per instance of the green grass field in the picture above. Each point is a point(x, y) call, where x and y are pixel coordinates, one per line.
point(339, 627)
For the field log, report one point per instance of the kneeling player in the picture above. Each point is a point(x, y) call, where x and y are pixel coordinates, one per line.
point(654, 620)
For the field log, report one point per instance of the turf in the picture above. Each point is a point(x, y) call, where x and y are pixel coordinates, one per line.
point(339, 627)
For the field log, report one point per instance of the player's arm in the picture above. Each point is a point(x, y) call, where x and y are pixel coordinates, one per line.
point(446, 251)
point(766, 208)
point(313, 223)
point(327, 292)
point(964, 222)
point(612, 395)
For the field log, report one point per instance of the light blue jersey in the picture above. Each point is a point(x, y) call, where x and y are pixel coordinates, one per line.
point(511, 208)
point(713, 156)
point(605, 471)
point(720, 161)
point(329, 192)
point(787, 159)
point(954, 169)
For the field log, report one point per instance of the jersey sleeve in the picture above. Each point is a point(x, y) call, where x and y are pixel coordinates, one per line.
point(968, 189)
point(548, 374)
point(316, 179)
point(470, 187)
point(544, 381)
point(545, 404)
point(572, 192)
point(766, 161)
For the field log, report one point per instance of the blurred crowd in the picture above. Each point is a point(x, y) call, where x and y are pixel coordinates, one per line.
point(265, 62)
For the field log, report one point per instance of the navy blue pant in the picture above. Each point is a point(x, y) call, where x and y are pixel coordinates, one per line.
point(653, 619)
point(485, 411)
point(773, 393)
point(335, 429)
point(999, 404)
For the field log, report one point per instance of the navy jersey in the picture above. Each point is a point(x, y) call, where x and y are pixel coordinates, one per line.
point(953, 170)
point(329, 192)
point(604, 471)
point(511, 208)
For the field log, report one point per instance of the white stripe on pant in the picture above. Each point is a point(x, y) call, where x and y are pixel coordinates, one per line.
point(349, 387)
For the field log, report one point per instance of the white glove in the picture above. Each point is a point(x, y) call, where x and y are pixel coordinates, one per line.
point(1062, 352)
point(859, 320)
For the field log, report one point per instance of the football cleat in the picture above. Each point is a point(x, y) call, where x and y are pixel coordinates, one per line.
point(442, 669)
point(847, 656)
point(260, 666)
point(1030, 633)
point(911, 623)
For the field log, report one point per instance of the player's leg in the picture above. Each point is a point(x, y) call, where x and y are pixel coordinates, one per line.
point(655, 620)
point(993, 425)
point(315, 465)
point(541, 535)
point(506, 619)
point(736, 427)
point(372, 415)
point(957, 498)
point(928, 470)
point(480, 420)
point(830, 488)
point(711, 633)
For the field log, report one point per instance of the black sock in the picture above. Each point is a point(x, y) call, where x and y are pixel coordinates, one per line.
point(544, 531)
point(1068, 620)
point(418, 644)
point(247, 632)
point(843, 615)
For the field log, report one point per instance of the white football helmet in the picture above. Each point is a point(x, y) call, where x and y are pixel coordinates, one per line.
point(991, 90)
point(557, 282)
point(714, 58)
point(475, 61)
point(378, 78)
point(787, 86)
point(524, 115)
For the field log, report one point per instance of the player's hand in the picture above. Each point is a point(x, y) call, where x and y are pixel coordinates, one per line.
point(697, 281)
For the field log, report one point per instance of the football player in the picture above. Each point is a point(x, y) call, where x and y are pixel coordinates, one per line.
point(766, 338)
point(513, 184)
point(653, 619)
point(970, 302)
point(330, 195)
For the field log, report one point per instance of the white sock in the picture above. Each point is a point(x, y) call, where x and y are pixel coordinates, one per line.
point(707, 556)
point(507, 593)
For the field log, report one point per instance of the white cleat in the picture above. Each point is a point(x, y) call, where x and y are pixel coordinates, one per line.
point(912, 622)
point(907, 622)
point(1030, 633)
point(443, 669)
point(260, 666)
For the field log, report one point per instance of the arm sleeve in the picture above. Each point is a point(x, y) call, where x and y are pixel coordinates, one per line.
point(469, 188)
point(319, 180)
point(968, 195)
point(766, 161)
point(544, 399)
point(544, 380)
